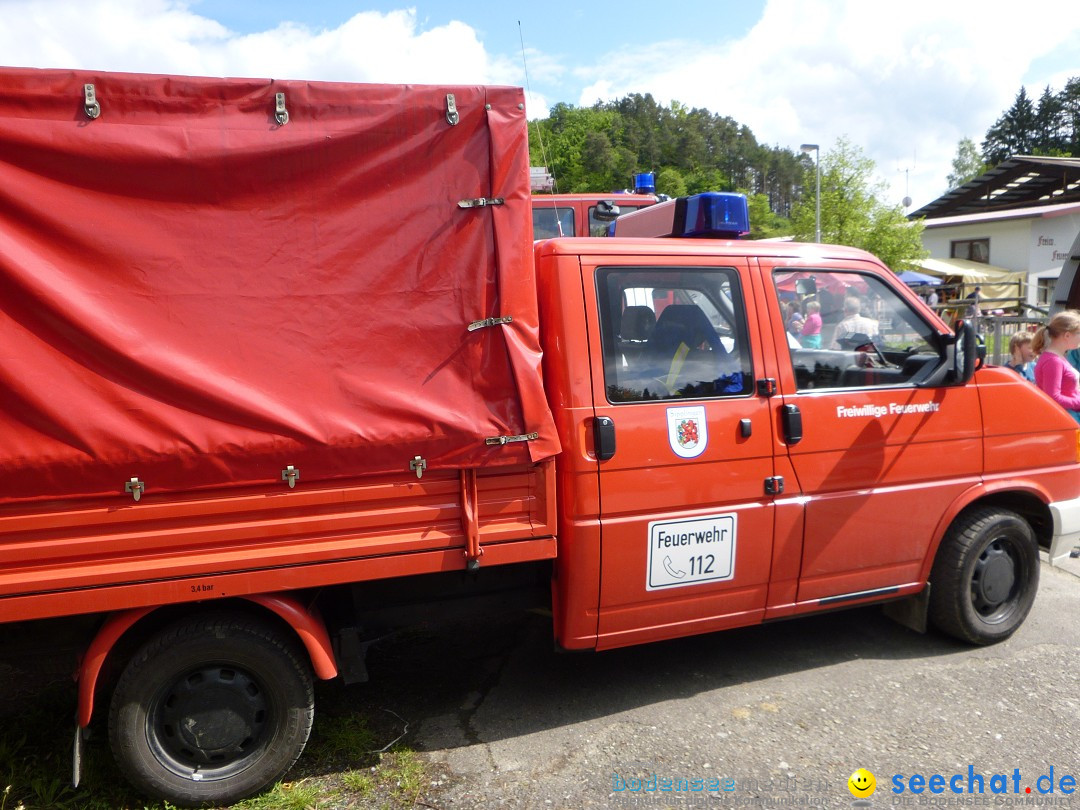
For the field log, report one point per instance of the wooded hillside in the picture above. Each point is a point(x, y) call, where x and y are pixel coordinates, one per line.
point(600, 148)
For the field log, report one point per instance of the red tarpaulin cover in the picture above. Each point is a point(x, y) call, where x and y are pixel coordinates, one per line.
point(196, 295)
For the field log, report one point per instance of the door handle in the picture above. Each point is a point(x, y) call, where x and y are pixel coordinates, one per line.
point(604, 437)
point(791, 419)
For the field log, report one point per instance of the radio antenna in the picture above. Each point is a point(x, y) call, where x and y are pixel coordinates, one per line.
point(540, 134)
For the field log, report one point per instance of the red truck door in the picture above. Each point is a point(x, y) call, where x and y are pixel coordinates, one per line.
point(685, 448)
point(882, 454)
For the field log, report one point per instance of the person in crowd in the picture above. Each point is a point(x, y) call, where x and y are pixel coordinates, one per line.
point(810, 336)
point(794, 318)
point(1053, 374)
point(1022, 356)
point(854, 323)
point(932, 299)
point(972, 301)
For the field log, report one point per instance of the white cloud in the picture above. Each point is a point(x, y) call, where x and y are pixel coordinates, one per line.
point(164, 36)
point(905, 82)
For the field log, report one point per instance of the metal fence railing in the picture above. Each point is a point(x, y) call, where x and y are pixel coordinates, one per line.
point(996, 330)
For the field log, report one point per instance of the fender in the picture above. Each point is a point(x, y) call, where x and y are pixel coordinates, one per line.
point(308, 626)
point(1011, 486)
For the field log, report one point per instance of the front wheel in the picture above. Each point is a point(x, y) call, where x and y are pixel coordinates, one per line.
point(211, 710)
point(985, 576)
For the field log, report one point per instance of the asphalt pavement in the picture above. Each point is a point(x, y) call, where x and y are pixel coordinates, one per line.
point(778, 715)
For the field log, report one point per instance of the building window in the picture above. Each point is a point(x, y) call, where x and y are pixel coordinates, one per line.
point(975, 250)
point(1046, 291)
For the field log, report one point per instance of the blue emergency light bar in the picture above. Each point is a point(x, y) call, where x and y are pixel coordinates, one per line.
point(712, 215)
point(645, 183)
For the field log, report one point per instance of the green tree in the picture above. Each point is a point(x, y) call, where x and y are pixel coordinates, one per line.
point(967, 165)
point(600, 148)
point(1014, 133)
point(1050, 125)
point(670, 182)
point(1070, 103)
point(852, 213)
point(764, 222)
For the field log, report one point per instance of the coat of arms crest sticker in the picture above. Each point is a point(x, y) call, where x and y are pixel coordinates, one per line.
point(688, 433)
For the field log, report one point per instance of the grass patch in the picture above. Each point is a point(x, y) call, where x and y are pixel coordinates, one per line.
point(284, 796)
point(339, 770)
point(362, 783)
point(342, 740)
point(396, 783)
point(406, 774)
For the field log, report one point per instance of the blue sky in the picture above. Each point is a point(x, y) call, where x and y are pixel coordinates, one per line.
point(902, 81)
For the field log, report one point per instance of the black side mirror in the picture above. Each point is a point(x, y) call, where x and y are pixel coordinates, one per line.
point(966, 353)
point(606, 211)
point(960, 356)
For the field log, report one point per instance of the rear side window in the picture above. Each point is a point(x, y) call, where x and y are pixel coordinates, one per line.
point(548, 218)
point(673, 334)
point(851, 330)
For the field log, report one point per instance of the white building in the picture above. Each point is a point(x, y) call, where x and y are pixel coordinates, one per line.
point(1023, 216)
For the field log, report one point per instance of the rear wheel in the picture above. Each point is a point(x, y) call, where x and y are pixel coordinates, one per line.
point(212, 709)
point(985, 576)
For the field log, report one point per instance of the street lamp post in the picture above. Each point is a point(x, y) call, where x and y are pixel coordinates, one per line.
point(807, 148)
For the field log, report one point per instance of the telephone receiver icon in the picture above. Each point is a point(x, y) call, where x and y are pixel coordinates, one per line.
point(672, 570)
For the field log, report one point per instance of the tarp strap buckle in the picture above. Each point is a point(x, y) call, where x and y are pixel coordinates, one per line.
point(90, 102)
point(452, 116)
point(135, 487)
point(418, 465)
point(481, 202)
point(281, 115)
point(292, 475)
point(524, 437)
point(489, 322)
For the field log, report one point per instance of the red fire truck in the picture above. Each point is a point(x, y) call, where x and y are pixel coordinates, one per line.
point(278, 356)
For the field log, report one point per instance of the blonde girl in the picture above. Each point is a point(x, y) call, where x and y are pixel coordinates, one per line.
point(811, 327)
point(1053, 374)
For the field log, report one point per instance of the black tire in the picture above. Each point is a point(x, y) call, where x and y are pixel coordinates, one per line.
point(985, 576)
point(213, 709)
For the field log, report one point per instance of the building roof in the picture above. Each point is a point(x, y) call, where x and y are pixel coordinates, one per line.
point(1029, 212)
point(1022, 181)
point(967, 269)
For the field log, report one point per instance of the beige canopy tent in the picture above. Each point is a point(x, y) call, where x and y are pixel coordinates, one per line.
point(999, 287)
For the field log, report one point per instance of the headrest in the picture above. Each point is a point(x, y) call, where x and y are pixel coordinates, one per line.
point(637, 323)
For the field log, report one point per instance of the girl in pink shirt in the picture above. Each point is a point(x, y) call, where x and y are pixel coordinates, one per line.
point(1053, 374)
point(811, 327)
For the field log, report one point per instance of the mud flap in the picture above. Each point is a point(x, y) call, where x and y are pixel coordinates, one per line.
point(910, 612)
point(76, 757)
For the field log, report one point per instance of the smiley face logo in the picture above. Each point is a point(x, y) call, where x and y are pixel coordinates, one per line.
point(862, 784)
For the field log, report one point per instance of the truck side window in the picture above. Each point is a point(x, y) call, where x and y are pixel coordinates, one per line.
point(548, 219)
point(673, 334)
point(856, 332)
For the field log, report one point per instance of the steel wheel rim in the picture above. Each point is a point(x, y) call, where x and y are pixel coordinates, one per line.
point(997, 580)
point(210, 723)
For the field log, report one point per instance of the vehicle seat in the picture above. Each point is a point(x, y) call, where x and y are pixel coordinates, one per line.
point(685, 348)
point(679, 324)
point(638, 324)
